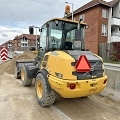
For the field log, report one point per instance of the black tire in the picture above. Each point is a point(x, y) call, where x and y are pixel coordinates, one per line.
point(17, 75)
point(25, 80)
point(45, 95)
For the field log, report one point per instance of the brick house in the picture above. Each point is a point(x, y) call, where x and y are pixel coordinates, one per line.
point(96, 14)
point(9, 45)
point(25, 41)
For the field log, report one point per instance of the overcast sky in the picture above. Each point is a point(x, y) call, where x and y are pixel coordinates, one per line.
point(17, 15)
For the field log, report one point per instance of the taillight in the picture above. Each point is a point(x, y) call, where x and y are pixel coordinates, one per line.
point(71, 86)
point(105, 81)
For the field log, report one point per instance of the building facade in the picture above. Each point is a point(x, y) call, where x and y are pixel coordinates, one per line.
point(25, 41)
point(101, 18)
point(9, 45)
point(114, 22)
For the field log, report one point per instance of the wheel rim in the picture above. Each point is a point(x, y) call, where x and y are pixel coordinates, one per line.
point(22, 75)
point(39, 89)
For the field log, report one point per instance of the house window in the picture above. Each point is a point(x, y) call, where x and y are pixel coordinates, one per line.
point(104, 30)
point(24, 44)
point(82, 17)
point(104, 13)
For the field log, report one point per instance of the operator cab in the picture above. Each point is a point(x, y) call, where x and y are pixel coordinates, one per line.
point(62, 34)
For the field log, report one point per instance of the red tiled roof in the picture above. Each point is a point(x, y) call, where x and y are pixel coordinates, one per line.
point(91, 4)
point(11, 41)
point(113, 2)
point(28, 36)
point(94, 3)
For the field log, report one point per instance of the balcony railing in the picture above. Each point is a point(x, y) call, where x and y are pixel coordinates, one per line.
point(24, 41)
point(115, 21)
point(115, 38)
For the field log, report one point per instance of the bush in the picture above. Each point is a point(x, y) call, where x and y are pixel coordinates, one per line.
point(115, 52)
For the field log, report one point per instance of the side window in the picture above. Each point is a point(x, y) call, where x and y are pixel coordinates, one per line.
point(43, 36)
point(82, 17)
point(104, 13)
point(104, 30)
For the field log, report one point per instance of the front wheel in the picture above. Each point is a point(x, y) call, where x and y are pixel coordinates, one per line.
point(45, 95)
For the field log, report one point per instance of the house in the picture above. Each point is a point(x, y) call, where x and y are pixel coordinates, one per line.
point(9, 45)
point(25, 41)
point(103, 19)
point(114, 22)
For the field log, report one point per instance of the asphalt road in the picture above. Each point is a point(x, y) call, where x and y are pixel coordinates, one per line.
point(19, 103)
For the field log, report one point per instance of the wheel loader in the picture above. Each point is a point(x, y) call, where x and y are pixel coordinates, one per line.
point(63, 65)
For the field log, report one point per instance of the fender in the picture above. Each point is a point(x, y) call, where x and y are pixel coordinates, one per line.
point(31, 70)
point(44, 72)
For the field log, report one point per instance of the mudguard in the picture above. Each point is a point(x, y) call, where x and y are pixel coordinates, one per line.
point(31, 70)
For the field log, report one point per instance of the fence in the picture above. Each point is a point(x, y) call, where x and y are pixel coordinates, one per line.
point(27, 48)
point(105, 50)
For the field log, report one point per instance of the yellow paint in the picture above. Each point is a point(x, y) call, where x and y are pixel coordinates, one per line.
point(61, 63)
point(66, 20)
point(83, 87)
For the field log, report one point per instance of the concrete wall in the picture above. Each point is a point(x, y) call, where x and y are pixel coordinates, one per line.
point(112, 89)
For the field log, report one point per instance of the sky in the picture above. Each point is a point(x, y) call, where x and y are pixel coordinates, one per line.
point(17, 15)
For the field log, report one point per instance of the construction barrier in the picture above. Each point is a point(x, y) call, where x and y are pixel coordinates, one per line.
point(3, 53)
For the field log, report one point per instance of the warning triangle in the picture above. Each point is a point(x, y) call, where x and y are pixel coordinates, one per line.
point(83, 64)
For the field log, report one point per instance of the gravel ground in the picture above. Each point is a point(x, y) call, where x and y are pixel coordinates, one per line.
point(19, 103)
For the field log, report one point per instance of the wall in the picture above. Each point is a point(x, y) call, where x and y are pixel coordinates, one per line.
point(93, 17)
point(102, 39)
point(112, 89)
point(116, 10)
point(17, 45)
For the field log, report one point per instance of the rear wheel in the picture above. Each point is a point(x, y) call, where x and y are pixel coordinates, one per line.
point(45, 95)
point(17, 75)
point(25, 80)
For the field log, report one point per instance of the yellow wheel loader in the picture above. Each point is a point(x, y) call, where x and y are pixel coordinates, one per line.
point(63, 65)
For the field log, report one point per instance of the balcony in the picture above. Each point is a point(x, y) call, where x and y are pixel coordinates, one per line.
point(115, 38)
point(24, 41)
point(115, 21)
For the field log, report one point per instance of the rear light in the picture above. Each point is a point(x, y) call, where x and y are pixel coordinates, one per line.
point(105, 81)
point(71, 86)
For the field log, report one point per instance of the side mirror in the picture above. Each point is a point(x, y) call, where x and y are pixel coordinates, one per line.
point(78, 35)
point(32, 48)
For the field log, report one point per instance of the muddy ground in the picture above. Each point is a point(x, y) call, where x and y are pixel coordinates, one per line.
point(19, 103)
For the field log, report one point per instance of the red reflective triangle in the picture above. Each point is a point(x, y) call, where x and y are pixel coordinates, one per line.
point(83, 64)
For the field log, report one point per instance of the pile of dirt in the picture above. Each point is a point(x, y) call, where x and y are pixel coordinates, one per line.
point(9, 66)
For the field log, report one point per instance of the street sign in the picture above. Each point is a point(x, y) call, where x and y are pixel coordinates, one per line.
point(3, 53)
